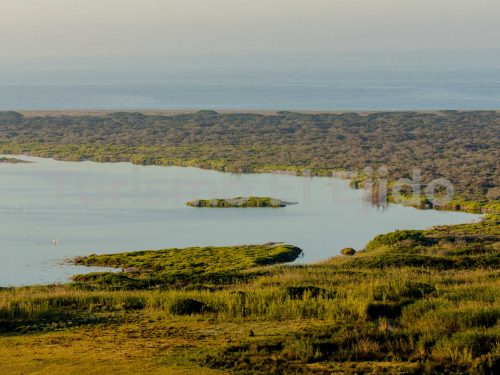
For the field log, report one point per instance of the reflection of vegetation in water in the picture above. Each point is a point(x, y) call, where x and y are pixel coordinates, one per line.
point(461, 146)
point(240, 202)
point(410, 302)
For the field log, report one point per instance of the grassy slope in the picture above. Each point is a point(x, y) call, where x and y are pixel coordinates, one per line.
point(382, 310)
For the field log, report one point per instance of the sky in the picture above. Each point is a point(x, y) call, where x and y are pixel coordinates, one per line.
point(99, 29)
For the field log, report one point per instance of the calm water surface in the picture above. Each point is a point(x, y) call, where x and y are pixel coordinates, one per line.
point(52, 210)
point(364, 81)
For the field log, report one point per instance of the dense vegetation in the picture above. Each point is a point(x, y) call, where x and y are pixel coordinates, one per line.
point(461, 146)
point(410, 302)
point(240, 202)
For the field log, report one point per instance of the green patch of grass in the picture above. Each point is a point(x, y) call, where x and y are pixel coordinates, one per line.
point(195, 265)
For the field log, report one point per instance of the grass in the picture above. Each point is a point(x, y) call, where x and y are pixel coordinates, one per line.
point(181, 267)
point(390, 308)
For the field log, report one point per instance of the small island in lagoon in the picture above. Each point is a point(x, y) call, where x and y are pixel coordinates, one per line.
point(4, 160)
point(240, 202)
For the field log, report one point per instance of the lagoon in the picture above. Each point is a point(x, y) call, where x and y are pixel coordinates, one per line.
point(54, 210)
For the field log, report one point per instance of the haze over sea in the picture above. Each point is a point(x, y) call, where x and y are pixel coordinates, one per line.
point(354, 81)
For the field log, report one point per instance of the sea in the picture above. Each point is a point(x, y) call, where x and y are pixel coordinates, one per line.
point(426, 80)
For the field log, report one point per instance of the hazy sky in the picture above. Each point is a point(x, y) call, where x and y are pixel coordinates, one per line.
point(140, 28)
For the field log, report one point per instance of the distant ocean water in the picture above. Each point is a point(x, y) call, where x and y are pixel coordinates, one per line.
point(362, 84)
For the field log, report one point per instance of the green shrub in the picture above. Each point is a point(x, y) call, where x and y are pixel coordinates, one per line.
point(391, 310)
point(349, 251)
point(134, 303)
point(299, 292)
point(395, 237)
point(417, 290)
point(188, 306)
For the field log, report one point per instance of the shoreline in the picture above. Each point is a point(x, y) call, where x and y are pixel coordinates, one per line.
point(338, 174)
point(349, 141)
point(171, 112)
point(479, 217)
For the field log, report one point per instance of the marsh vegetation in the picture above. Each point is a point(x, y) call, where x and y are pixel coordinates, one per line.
point(182, 267)
point(410, 302)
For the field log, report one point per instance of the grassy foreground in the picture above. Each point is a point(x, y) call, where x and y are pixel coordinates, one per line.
point(410, 302)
